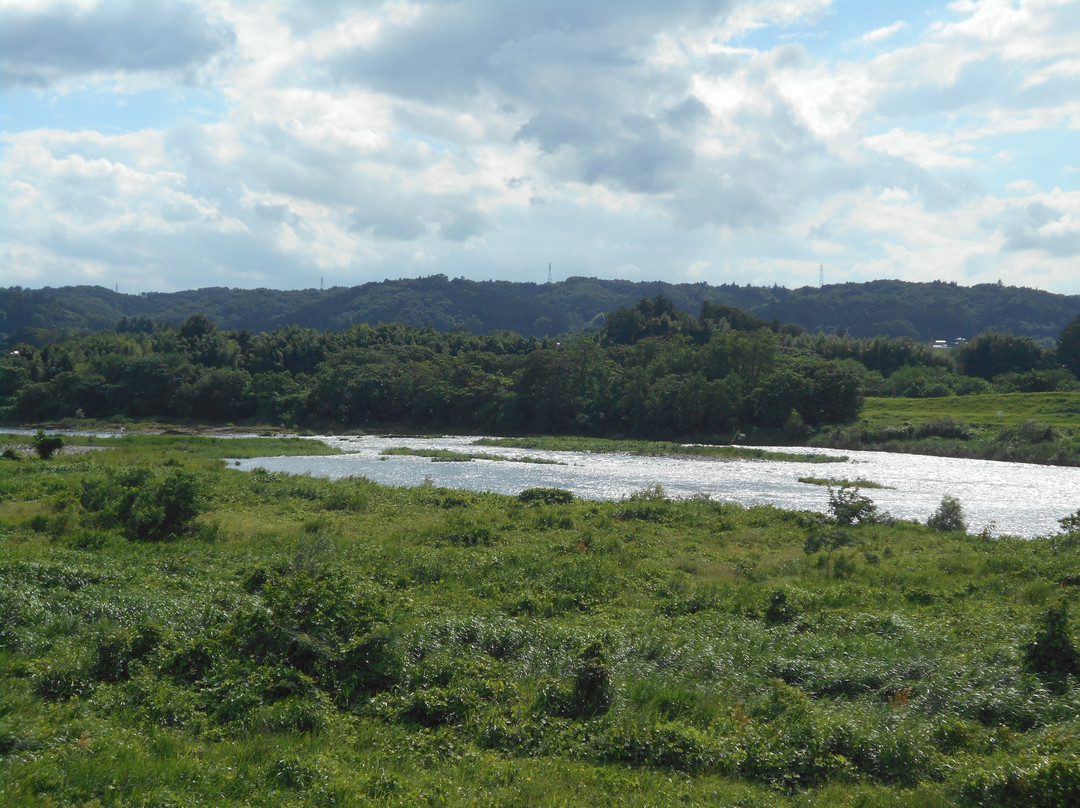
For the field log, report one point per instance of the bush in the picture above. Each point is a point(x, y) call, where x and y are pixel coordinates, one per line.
point(779, 611)
point(848, 506)
point(592, 683)
point(1070, 524)
point(949, 516)
point(591, 692)
point(1052, 652)
point(162, 508)
point(549, 496)
point(47, 445)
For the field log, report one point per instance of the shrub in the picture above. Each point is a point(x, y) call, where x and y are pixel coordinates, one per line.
point(949, 516)
point(1034, 781)
point(591, 692)
point(848, 506)
point(1052, 652)
point(947, 427)
point(1070, 524)
point(592, 683)
point(549, 496)
point(163, 507)
point(779, 611)
point(1034, 431)
point(366, 665)
point(47, 445)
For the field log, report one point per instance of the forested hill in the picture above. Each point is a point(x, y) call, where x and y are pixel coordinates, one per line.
point(924, 311)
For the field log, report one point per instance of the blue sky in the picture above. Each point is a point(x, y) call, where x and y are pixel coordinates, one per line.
point(157, 146)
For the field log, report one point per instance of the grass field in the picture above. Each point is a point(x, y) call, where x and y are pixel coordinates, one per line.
point(1023, 427)
point(1059, 410)
point(293, 641)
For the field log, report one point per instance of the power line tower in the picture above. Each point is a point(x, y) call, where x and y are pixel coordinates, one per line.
point(549, 273)
point(821, 276)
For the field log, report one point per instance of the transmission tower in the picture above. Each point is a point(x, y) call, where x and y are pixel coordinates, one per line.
point(549, 273)
point(821, 276)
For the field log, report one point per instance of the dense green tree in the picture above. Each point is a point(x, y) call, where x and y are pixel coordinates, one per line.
point(1068, 346)
point(992, 354)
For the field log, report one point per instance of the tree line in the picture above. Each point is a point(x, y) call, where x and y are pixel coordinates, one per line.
point(652, 371)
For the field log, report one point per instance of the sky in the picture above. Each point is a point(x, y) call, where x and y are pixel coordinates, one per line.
point(178, 144)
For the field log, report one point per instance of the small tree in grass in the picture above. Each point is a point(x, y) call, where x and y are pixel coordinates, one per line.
point(829, 541)
point(47, 445)
point(949, 516)
point(848, 506)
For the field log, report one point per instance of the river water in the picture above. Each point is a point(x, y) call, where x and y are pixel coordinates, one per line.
point(1008, 498)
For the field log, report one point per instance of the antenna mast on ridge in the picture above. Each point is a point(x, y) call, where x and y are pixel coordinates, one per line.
point(549, 273)
point(821, 276)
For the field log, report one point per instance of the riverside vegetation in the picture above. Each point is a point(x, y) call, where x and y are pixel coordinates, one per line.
point(176, 632)
point(652, 372)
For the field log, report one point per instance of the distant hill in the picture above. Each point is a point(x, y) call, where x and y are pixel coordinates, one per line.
point(924, 311)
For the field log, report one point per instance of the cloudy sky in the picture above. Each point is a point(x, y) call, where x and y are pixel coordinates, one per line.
point(176, 144)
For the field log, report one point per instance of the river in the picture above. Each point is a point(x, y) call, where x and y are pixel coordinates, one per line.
point(1005, 498)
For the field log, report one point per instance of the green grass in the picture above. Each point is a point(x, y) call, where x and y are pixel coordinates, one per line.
point(654, 448)
point(312, 642)
point(448, 456)
point(1059, 410)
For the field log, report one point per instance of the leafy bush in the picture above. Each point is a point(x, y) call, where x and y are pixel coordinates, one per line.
point(592, 683)
point(848, 506)
point(145, 505)
point(162, 508)
point(1052, 653)
point(1035, 431)
point(548, 496)
point(949, 516)
point(591, 692)
point(1041, 781)
point(946, 427)
point(116, 652)
point(1070, 524)
point(47, 445)
point(779, 611)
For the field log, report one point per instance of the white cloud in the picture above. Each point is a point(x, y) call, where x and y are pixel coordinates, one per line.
point(400, 137)
point(1022, 186)
point(881, 34)
point(925, 150)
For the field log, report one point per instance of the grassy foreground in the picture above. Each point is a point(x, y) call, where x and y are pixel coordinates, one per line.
point(174, 632)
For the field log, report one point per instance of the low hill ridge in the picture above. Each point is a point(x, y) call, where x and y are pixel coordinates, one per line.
point(924, 311)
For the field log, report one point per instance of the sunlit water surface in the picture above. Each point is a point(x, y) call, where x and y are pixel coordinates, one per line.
point(1009, 498)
